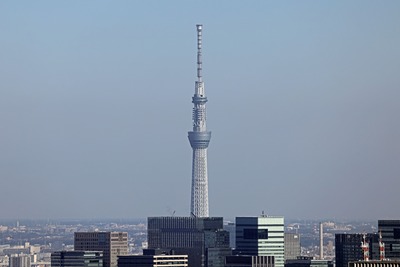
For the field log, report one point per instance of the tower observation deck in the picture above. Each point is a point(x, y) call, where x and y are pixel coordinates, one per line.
point(199, 139)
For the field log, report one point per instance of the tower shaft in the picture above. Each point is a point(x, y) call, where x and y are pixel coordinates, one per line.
point(199, 139)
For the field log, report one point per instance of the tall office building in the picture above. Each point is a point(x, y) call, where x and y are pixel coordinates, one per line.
point(292, 246)
point(261, 236)
point(202, 239)
point(154, 258)
point(77, 259)
point(112, 244)
point(19, 260)
point(390, 230)
point(199, 139)
point(348, 248)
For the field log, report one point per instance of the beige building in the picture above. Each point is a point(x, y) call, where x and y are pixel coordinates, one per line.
point(112, 244)
point(162, 260)
point(375, 263)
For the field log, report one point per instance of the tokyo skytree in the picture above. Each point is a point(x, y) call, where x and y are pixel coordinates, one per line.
point(199, 139)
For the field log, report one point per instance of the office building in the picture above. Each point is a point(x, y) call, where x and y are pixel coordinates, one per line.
point(199, 140)
point(308, 262)
point(77, 259)
point(261, 236)
point(154, 258)
point(292, 246)
point(20, 260)
point(249, 261)
point(348, 248)
point(202, 239)
point(112, 244)
point(390, 230)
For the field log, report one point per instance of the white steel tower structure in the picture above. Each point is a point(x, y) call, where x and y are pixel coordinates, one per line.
point(199, 139)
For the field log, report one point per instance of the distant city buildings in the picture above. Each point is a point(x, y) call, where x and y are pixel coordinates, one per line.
point(77, 259)
point(261, 236)
point(112, 244)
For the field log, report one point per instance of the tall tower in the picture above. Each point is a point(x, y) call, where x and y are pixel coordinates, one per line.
point(199, 139)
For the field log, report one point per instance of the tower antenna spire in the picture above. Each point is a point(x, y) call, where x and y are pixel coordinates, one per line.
point(199, 43)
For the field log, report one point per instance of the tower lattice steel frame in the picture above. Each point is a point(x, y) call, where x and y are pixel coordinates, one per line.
point(199, 139)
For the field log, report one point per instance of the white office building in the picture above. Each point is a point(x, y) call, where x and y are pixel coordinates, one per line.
point(261, 236)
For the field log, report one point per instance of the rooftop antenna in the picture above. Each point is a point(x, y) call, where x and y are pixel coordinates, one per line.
point(365, 248)
point(199, 61)
point(381, 247)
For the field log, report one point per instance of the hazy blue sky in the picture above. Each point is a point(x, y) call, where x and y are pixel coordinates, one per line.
point(95, 105)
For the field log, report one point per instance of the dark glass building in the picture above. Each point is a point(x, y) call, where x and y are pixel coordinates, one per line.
point(390, 230)
point(348, 248)
point(307, 262)
point(77, 259)
point(190, 236)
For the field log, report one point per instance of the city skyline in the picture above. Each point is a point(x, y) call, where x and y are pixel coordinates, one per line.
point(94, 101)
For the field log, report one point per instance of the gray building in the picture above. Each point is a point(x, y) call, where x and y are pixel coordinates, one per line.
point(77, 259)
point(231, 228)
point(20, 260)
point(112, 244)
point(202, 239)
point(292, 246)
point(261, 236)
point(390, 230)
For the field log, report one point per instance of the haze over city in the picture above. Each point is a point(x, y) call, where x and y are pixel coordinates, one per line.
point(95, 106)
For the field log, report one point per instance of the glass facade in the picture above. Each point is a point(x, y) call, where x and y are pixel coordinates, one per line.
point(191, 236)
point(77, 259)
point(390, 230)
point(348, 248)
